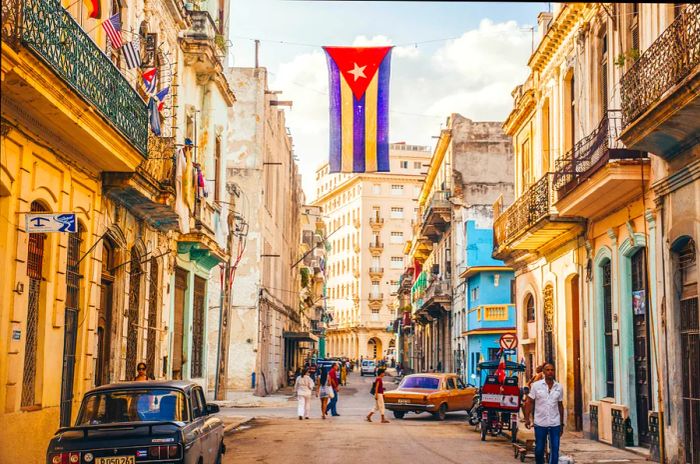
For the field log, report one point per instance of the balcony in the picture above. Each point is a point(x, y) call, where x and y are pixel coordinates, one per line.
point(68, 88)
point(373, 296)
point(660, 104)
point(532, 222)
point(376, 247)
point(376, 222)
point(201, 242)
point(204, 50)
point(598, 175)
point(149, 192)
point(439, 292)
point(491, 319)
point(376, 272)
point(437, 215)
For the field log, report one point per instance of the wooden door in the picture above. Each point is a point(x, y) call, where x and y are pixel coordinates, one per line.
point(642, 368)
point(179, 322)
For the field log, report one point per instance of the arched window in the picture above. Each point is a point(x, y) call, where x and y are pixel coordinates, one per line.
point(132, 329)
point(105, 317)
point(606, 290)
point(35, 263)
point(530, 309)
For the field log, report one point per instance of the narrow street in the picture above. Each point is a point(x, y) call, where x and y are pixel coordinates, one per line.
point(276, 435)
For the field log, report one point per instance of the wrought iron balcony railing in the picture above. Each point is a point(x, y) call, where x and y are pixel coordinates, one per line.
point(437, 289)
point(439, 200)
point(591, 153)
point(531, 207)
point(48, 30)
point(672, 56)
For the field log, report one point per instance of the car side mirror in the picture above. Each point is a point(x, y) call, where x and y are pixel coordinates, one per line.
point(212, 408)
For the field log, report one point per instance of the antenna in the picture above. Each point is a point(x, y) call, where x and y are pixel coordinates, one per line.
point(257, 53)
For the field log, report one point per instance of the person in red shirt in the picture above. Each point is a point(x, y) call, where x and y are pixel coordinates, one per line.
point(333, 382)
point(378, 397)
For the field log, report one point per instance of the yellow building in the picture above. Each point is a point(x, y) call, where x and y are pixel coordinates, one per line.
point(66, 118)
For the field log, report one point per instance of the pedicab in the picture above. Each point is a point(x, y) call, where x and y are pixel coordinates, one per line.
point(500, 400)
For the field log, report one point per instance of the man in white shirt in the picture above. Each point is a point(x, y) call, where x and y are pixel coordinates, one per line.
point(546, 399)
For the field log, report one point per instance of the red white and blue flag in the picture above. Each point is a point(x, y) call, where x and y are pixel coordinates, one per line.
point(113, 28)
point(160, 97)
point(359, 108)
point(149, 80)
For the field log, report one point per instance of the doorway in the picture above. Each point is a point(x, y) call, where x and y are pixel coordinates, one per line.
point(640, 327)
point(105, 317)
point(576, 353)
point(179, 322)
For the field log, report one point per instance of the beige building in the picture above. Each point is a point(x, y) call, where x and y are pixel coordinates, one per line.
point(368, 222)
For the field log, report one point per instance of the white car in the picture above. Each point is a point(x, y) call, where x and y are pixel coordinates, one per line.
point(368, 367)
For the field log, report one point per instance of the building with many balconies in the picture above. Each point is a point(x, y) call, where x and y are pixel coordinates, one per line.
point(368, 218)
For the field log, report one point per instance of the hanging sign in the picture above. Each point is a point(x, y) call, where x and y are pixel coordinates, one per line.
point(51, 222)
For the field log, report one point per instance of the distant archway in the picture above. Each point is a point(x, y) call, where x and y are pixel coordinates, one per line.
point(374, 347)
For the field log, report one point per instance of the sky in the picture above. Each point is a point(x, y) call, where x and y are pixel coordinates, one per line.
point(449, 57)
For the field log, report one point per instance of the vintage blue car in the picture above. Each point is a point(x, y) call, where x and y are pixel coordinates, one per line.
point(141, 422)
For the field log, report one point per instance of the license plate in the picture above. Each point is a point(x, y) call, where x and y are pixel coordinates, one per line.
point(403, 401)
point(116, 460)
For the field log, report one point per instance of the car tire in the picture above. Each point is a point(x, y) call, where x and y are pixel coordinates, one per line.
point(442, 412)
point(399, 414)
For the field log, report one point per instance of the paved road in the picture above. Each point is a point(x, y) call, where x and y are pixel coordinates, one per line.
point(276, 435)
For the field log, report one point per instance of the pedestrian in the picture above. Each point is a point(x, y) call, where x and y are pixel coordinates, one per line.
point(141, 375)
point(343, 374)
point(324, 390)
point(303, 387)
point(378, 390)
point(333, 382)
point(546, 400)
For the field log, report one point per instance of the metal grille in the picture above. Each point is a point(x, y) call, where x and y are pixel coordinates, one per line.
point(690, 353)
point(548, 308)
point(607, 316)
point(667, 61)
point(71, 324)
point(35, 261)
point(198, 326)
point(152, 318)
point(132, 338)
point(642, 360)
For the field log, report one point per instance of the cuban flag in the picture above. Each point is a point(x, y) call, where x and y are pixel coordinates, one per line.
point(149, 80)
point(359, 108)
point(160, 97)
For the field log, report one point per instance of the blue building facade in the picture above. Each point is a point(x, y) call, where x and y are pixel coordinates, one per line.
point(489, 308)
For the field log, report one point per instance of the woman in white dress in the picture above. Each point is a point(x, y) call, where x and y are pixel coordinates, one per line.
point(303, 388)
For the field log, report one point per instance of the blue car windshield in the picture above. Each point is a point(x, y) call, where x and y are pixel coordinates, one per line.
point(141, 405)
point(428, 383)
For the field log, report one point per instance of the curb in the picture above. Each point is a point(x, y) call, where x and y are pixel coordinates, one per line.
point(230, 428)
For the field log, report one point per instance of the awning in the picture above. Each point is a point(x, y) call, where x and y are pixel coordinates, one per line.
point(301, 336)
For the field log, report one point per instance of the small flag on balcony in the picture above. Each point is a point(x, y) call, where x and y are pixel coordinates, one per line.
point(94, 9)
point(154, 116)
point(149, 80)
point(113, 29)
point(160, 96)
point(132, 53)
point(359, 108)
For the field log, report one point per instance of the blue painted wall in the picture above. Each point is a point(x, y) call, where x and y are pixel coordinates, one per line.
point(479, 246)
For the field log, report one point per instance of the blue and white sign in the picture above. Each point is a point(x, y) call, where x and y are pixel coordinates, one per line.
point(51, 222)
point(512, 352)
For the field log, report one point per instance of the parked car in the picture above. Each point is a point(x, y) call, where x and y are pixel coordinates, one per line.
point(134, 422)
point(437, 394)
point(368, 367)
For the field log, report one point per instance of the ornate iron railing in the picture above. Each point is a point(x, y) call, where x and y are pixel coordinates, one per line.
point(591, 153)
point(47, 29)
point(438, 288)
point(532, 206)
point(672, 56)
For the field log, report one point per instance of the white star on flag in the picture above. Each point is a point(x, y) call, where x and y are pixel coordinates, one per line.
point(358, 72)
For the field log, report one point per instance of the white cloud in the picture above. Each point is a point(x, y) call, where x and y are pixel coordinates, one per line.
point(472, 75)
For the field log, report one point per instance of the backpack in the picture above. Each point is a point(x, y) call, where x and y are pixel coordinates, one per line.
point(373, 390)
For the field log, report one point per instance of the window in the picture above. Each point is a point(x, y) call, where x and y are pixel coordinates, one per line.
point(397, 262)
point(416, 165)
point(198, 340)
point(604, 73)
point(493, 353)
point(217, 170)
point(397, 237)
point(397, 189)
point(527, 164)
point(475, 293)
point(396, 213)
point(530, 308)
point(375, 315)
point(451, 385)
point(404, 164)
point(416, 191)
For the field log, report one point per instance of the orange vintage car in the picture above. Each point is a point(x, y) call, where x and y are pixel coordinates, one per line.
point(437, 394)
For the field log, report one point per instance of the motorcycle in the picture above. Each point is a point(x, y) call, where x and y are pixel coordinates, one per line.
point(474, 413)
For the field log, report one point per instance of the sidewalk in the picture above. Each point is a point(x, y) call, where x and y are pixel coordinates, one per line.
point(246, 399)
point(231, 423)
point(583, 450)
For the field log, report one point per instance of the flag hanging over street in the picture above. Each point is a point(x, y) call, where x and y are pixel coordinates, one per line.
point(113, 29)
point(94, 9)
point(160, 96)
point(149, 80)
point(359, 108)
point(132, 53)
point(154, 116)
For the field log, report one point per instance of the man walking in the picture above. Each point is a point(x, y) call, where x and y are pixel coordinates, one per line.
point(333, 383)
point(378, 388)
point(546, 399)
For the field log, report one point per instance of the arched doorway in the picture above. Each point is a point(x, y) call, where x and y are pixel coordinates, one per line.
point(374, 348)
point(530, 334)
point(104, 315)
